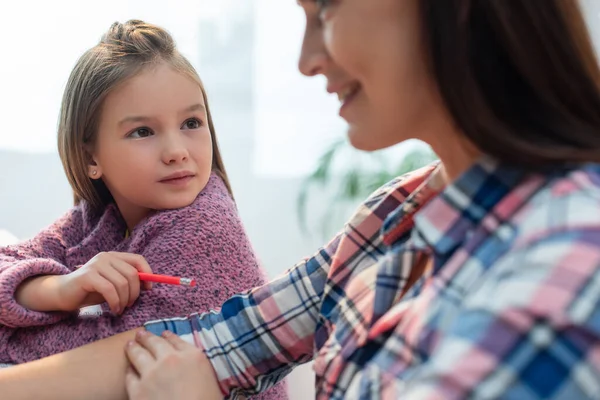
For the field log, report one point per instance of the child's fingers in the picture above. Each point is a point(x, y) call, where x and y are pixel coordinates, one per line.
point(131, 274)
point(108, 292)
point(92, 299)
point(120, 283)
point(177, 342)
point(136, 260)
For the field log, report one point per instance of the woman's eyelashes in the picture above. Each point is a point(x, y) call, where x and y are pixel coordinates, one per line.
point(143, 132)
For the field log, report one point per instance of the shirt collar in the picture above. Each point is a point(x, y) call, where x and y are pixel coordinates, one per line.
point(443, 224)
point(422, 186)
point(441, 217)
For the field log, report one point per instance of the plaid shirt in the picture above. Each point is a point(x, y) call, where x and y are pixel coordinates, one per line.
point(502, 299)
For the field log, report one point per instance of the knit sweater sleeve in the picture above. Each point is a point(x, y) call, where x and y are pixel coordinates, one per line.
point(45, 254)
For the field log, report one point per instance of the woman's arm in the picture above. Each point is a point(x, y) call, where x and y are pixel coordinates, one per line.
point(258, 337)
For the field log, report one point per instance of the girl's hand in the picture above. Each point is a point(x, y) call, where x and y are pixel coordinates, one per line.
point(168, 368)
point(111, 277)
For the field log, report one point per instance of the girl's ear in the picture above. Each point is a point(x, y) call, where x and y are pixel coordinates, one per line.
point(94, 170)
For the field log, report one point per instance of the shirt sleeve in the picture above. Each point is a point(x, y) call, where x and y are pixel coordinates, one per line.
point(530, 330)
point(258, 337)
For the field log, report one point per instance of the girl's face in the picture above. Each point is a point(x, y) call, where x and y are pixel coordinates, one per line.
point(372, 55)
point(153, 148)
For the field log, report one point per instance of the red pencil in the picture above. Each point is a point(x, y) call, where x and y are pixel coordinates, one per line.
point(171, 280)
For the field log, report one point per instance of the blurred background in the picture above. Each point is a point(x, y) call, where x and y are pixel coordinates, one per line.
point(294, 176)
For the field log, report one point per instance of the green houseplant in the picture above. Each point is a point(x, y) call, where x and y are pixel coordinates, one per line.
point(344, 176)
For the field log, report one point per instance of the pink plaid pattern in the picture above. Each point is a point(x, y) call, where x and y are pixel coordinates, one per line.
point(507, 304)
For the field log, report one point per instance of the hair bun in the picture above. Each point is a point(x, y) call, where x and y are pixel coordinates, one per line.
point(138, 37)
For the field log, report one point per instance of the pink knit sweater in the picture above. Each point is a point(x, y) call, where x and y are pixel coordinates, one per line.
point(205, 240)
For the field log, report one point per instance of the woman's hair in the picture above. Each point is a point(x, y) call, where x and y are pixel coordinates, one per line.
point(519, 77)
point(124, 51)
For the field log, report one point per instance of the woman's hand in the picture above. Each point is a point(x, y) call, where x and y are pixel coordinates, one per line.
point(167, 368)
point(111, 277)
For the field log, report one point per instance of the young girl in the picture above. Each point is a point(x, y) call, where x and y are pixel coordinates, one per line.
point(138, 146)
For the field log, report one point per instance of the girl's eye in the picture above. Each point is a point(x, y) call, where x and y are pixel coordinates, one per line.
point(192, 123)
point(140, 133)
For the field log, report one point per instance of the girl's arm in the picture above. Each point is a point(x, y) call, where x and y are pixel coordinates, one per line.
point(45, 254)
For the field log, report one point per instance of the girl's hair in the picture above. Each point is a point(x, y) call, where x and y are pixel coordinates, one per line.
point(124, 51)
point(519, 77)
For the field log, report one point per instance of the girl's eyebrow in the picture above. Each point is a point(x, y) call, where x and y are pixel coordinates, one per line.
point(133, 119)
point(195, 107)
point(140, 118)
